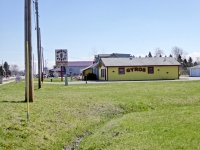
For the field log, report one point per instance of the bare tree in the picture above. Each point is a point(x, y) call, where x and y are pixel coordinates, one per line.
point(103, 51)
point(21, 73)
point(158, 52)
point(176, 51)
point(94, 51)
point(14, 69)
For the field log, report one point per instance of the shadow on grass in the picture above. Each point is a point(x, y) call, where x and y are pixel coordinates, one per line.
point(5, 101)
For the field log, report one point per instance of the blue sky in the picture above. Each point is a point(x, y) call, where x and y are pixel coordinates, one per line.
point(104, 26)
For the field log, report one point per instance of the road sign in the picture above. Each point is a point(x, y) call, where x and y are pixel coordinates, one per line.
point(61, 57)
point(18, 79)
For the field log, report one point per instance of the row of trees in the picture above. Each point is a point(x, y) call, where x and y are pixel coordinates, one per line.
point(176, 51)
point(11, 69)
point(179, 55)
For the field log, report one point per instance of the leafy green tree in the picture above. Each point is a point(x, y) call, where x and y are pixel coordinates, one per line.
point(149, 55)
point(6, 67)
point(185, 64)
point(179, 59)
point(190, 64)
point(195, 63)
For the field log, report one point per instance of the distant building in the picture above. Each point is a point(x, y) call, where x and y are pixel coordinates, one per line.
point(195, 71)
point(58, 70)
point(94, 68)
point(76, 67)
point(150, 68)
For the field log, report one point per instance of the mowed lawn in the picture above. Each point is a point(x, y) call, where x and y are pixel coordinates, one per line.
point(123, 116)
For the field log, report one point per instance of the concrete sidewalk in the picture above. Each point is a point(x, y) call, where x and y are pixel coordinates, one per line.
point(6, 81)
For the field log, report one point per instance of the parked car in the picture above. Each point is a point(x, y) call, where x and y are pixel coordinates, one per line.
point(45, 75)
point(7, 76)
point(50, 75)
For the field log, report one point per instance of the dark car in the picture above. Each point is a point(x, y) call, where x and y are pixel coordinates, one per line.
point(7, 76)
point(51, 75)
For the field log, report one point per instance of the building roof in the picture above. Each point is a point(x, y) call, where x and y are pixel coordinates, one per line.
point(58, 69)
point(91, 66)
point(112, 55)
point(147, 61)
point(120, 55)
point(79, 63)
point(103, 55)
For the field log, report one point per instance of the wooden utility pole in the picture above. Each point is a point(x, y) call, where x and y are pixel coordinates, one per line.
point(38, 45)
point(29, 85)
point(33, 65)
point(42, 59)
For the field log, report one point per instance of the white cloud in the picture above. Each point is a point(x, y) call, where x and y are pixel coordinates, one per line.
point(194, 55)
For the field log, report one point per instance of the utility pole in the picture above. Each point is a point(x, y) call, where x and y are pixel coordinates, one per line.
point(33, 65)
point(29, 86)
point(42, 58)
point(38, 45)
point(42, 64)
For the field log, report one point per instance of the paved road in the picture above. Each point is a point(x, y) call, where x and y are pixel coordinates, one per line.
point(182, 78)
point(99, 82)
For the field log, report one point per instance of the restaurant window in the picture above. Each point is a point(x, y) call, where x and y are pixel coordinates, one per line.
point(121, 71)
point(102, 72)
point(150, 70)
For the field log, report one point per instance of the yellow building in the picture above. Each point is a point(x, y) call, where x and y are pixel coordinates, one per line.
point(150, 68)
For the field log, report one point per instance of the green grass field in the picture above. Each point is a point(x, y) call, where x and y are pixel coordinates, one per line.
point(123, 116)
